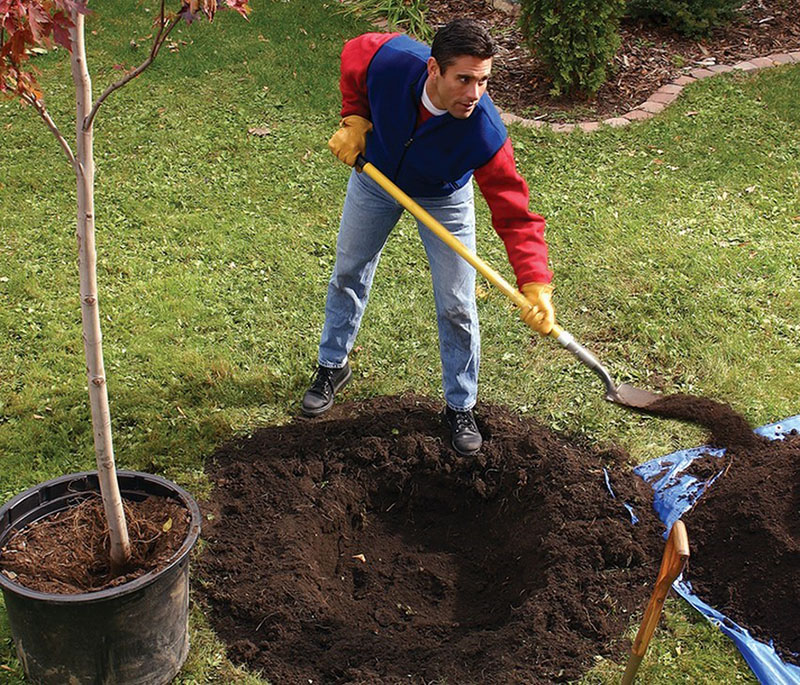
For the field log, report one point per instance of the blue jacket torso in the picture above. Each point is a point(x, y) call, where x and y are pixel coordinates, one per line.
point(438, 157)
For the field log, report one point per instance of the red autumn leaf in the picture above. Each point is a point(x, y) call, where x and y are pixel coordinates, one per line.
point(40, 24)
point(240, 6)
point(28, 25)
point(61, 27)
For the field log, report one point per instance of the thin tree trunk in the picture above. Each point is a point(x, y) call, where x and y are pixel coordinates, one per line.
point(90, 311)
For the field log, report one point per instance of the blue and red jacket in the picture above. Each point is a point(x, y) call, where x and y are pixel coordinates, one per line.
point(382, 79)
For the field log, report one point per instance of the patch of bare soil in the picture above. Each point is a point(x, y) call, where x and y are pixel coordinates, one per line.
point(359, 548)
point(649, 57)
point(68, 552)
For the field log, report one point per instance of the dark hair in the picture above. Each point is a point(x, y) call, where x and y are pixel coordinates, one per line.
point(461, 37)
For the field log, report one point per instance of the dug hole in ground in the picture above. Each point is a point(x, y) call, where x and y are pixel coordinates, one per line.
point(360, 548)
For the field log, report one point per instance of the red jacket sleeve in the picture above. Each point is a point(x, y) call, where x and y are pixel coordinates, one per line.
point(356, 57)
point(521, 230)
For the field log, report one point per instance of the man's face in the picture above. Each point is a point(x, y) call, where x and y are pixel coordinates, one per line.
point(461, 85)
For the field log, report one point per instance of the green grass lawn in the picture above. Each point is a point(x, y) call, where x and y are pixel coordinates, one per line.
point(674, 246)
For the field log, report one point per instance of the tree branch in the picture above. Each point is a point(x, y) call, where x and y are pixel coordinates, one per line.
point(38, 105)
point(158, 41)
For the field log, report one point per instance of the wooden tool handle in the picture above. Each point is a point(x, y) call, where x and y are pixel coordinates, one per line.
point(676, 552)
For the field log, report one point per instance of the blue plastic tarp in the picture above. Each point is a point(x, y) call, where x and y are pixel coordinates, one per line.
point(674, 493)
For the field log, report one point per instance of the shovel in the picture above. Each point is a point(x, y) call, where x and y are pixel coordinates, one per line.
point(676, 553)
point(624, 394)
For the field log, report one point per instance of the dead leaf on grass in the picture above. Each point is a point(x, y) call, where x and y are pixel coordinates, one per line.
point(260, 131)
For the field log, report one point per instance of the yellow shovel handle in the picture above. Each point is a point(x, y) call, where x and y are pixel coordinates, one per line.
point(449, 239)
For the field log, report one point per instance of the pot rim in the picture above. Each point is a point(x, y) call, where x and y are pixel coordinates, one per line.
point(125, 588)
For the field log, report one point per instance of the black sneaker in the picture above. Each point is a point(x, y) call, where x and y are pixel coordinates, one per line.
point(326, 383)
point(464, 433)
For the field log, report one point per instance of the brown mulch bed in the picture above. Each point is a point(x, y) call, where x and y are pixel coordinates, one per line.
point(648, 58)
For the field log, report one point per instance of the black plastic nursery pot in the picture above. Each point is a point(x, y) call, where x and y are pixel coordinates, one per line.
point(136, 633)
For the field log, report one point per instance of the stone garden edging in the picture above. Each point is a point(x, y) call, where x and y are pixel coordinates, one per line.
point(662, 97)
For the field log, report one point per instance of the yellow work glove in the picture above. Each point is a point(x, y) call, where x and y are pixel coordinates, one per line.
point(350, 140)
point(542, 316)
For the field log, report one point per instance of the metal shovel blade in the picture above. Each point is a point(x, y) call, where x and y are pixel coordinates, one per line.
point(624, 394)
point(632, 396)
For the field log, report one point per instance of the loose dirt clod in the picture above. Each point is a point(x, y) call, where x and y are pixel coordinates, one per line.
point(68, 552)
point(360, 548)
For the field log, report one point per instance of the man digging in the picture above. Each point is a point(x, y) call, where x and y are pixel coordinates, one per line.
point(422, 116)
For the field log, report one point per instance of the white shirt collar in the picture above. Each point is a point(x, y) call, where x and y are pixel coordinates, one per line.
point(427, 104)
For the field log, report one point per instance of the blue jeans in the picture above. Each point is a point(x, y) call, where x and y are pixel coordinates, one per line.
point(368, 217)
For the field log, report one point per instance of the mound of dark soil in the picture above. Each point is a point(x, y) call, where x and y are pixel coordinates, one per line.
point(746, 558)
point(745, 529)
point(359, 548)
point(727, 428)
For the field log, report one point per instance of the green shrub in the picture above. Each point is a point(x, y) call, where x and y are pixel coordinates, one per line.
point(575, 39)
point(692, 18)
